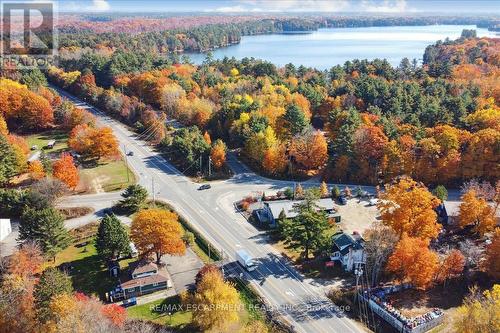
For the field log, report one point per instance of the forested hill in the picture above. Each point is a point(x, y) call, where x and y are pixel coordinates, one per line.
point(364, 122)
point(203, 33)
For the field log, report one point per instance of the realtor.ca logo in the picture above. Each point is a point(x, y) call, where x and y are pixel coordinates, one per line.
point(29, 37)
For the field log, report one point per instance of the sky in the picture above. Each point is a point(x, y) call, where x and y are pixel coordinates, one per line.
point(284, 6)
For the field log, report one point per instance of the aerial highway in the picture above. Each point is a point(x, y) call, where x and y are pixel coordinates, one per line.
point(301, 304)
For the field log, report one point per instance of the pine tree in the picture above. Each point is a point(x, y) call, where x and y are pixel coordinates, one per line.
point(45, 226)
point(8, 162)
point(295, 119)
point(112, 239)
point(52, 283)
point(133, 198)
point(308, 230)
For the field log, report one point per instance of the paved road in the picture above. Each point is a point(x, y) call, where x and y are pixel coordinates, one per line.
point(300, 303)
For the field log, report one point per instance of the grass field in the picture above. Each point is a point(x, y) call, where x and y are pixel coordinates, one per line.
point(41, 140)
point(106, 177)
point(87, 271)
point(157, 312)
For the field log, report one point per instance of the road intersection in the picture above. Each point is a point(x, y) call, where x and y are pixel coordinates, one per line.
point(301, 304)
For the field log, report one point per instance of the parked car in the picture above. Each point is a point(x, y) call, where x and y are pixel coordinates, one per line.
point(373, 202)
point(343, 200)
point(129, 302)
point(204, 187)
point(130, 153)
point(34, 147)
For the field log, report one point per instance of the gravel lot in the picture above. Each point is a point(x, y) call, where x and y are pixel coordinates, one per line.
point(357, 215)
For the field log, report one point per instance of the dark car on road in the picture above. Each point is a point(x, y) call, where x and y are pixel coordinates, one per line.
point(130, 153)
point(343, 200)
point(204, 187)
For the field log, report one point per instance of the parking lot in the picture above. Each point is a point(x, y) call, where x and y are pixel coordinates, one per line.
point(357, 215)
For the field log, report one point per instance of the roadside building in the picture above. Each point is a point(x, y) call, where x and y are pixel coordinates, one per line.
point(271, 210)
point(450, 211)
point(145, 277)
point(348, 250)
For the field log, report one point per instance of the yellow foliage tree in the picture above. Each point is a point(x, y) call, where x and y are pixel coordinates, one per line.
point(218, 154)
point(157, 231)
point(408, 207)
point(275, 160)
point(476, 211)
point(36, 170)
point(216, 303)
point(3, 127)
point(479, 313)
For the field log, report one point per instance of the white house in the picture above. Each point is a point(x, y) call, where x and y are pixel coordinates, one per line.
point(5, 228)
point(348, 250)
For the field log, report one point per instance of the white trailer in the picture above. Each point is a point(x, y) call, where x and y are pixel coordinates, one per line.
point(245, 260)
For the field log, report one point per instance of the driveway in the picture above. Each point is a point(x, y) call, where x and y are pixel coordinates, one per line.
point(183, 269)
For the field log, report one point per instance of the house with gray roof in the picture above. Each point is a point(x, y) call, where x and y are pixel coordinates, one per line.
point(348, 250)
point(271, 210)
point(144, 277)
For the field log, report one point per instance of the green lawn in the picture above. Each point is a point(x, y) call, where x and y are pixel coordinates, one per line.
point(87, 271)
point(107, 176)
point(157, 312)
point(41, 140)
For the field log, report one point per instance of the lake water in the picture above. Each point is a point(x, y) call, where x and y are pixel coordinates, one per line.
point(332, 46)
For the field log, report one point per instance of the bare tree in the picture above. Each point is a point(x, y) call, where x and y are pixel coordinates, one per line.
point(380, 242)
point(50, 188)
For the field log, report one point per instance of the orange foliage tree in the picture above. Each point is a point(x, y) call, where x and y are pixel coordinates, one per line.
point(218, 154)
point(451, 266)
point(23, 108)
point(413, 261)
point(65, 170)
point(310, 150)
point(115, 313)
point(492, 263)
point(475, 211)
point(275, 160)
point(93, 143)
point(36, 170)
point(157, 231)
point(480, 158)
point(408, 207)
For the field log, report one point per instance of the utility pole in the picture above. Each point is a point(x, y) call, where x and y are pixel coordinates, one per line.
point(153, 188)
point(126, 163)
point(209, 166)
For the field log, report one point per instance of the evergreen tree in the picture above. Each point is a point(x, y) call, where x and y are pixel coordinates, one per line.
point(9, 165)
point(133, 198)
point(45, 226)
point(308, 230)
point(112, 239)
point(52, 282)
point(295, 119)
point(441, 192)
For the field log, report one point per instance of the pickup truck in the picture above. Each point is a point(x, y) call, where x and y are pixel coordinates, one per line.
point(245, 260)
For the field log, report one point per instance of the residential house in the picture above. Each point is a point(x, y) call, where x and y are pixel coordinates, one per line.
point(451, 210)
point(348, 250)
point(271, 210)
point(144, 277)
